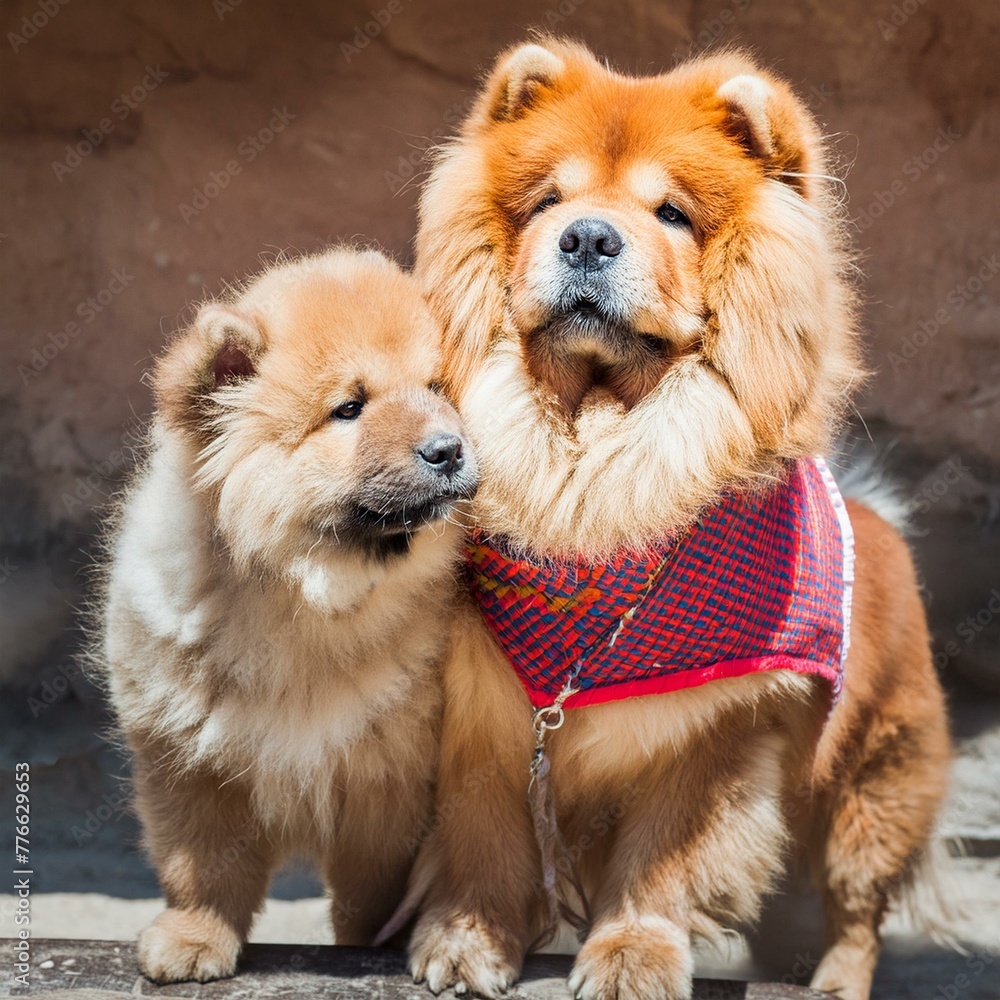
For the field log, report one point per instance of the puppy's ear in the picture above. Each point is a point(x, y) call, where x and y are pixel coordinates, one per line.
point(222, 347)
point(519, 76)
point(766, 118)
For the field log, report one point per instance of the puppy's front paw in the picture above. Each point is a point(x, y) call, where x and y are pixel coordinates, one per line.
point(464, 952)
point(646, 958)
point(188, 944)
point(844, 975)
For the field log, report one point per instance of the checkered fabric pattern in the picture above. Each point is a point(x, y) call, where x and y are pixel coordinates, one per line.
point(760, 582)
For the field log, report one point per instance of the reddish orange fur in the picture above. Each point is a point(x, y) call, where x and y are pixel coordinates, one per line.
point(709, 787)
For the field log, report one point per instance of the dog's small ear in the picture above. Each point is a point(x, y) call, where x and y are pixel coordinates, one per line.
point(518, 78)
point(746, 98)
point(766, 118)
point(222, 347)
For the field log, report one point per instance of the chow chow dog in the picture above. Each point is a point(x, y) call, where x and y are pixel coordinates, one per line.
point(650, 331)
point(280, 573)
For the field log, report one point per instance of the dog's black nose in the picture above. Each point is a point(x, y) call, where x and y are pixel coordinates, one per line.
point(443, 453)
point(590, 243)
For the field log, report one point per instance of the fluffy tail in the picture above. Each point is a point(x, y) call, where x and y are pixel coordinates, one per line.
point(927, 898)
point(862, 476)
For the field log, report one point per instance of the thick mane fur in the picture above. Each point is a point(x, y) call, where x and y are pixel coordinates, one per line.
point(768, 382)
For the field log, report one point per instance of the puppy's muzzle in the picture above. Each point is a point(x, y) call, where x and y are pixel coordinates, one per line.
point(423, 485)
point(444, 469)
point(444, 454)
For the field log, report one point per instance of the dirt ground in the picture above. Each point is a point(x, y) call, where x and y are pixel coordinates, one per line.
point(91, 880)
point(912, 966)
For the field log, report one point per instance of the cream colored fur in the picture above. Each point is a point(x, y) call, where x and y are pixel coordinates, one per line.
point(278, 680)
point(275, 678)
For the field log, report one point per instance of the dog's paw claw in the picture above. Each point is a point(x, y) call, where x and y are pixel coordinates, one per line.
point(644, 959)
point(183, 945)
point(463, 953)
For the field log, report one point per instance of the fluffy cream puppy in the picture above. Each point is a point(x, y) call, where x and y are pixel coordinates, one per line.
point(280, 574)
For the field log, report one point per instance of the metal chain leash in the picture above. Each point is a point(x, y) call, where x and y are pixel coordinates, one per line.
point(541, 801)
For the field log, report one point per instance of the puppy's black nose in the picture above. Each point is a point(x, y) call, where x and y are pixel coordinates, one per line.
point(590, 243)
point(443, 453)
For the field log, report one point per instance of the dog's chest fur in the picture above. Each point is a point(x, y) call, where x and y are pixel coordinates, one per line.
point(242, 677)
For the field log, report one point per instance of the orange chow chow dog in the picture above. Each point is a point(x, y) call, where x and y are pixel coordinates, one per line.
point(675, 668)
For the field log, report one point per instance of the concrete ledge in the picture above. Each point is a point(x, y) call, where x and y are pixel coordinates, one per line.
point(99, 970)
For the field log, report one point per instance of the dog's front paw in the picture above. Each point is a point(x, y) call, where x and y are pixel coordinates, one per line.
point(463, 951)
point(646, 958)
point(188, 944)
point(844, 975)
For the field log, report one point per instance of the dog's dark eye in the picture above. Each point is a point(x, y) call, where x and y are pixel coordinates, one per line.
point(348, 411)
point(434, 387)
point(672, 215)
point(547, 202)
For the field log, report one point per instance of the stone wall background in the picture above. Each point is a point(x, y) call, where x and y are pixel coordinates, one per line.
point(178, 195)
point(186, 188)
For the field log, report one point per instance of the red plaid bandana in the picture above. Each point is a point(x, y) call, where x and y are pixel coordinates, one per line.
point(762, 581)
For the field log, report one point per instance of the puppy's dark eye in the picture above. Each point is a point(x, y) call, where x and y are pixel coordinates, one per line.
point(434, 387)
point(672, 215)
point(547, 202)
point(348, 411)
